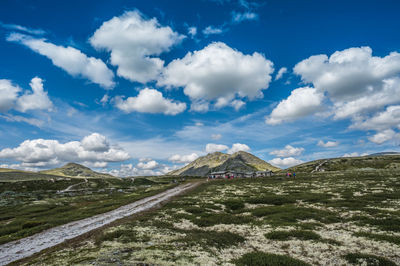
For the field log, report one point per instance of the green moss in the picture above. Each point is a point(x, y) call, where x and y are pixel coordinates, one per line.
point(368, 260)
point(211, 238)
point(210, 219)
point(234, 204)
point(267, 259)
point(290, 215)
point(287, 235)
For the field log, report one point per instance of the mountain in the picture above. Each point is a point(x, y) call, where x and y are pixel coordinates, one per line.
point(385, 153)
point(218, 161)
point(369, 162)
point(75, 170)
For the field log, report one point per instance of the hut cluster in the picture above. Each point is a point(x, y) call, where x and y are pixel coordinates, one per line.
point(235, 174)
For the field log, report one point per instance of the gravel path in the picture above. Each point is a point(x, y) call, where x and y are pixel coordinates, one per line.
point(28, 246)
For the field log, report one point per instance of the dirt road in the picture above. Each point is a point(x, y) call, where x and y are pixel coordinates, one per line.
point(28, 246)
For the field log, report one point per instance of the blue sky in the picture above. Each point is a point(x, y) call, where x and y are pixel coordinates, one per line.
point(143, 87)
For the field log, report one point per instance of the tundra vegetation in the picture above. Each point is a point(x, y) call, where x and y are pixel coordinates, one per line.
point(41, 201)
point(324, 218)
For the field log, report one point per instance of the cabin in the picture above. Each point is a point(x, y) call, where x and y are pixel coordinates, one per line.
point(235, 174)
point(263, 173)
point(220, 174)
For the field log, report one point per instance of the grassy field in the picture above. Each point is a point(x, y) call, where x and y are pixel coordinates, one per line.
point(338, 218)
point(28, 207)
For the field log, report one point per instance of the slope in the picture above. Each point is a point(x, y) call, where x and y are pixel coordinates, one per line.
point(218, 161)
point(371, 162)
point(76, 170)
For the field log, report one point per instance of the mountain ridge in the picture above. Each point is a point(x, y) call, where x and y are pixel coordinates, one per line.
point(218, 161)
point(76, 171)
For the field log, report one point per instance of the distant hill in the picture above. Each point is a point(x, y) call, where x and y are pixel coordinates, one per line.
point(218, 161)
point(75, 170)
point(369, 162)
point(385, 153)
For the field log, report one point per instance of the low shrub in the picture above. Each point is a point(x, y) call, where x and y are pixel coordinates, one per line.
point(266, 259)
point(369, 260)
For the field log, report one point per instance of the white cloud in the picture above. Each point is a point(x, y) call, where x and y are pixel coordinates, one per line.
point(134, 41)
point(239, 17)
point(347, 74)
point(216, 136)
point(288, 151)
point(211, 147)
point(95, 142)
point(37, 100)
point(73, 61)
point(285, 162)
point(280, 73)
point(126, 170)
point(237, 104)
point(384, 120)
point(238, 147)
point(327, 144)
point(149, 165)
point(354, 154)
point(388, 92)
point(8, 94)
point(150, 101)
point(301, 102)
point(211, 30)
point(384, 136)
point(45, 152)
point(218, 73)
point(18, 118)
point(183, 158)
point(22, 28)
point(199, 106)
point(192, 31)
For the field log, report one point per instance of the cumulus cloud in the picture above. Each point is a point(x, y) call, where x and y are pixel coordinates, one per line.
point(387, 93)
point(327, 144)
point(288, 151)
point(384, 136)
point(301, 102)
point(150, 101)
point(218, 73)
point(354, 154)
point(354, 80)
point(280, 73)
point(133, 42)
point(46, 152)
point(285, 162)
point(95, 142)
point(8, 94)
point(148, 165)
point(35, 100)
point(126, 170)
point(355, 85)
point(183, 158)
point(211, 147)
point(70, 59)
point(347, 74)
point(238, 147)
point(388, 118)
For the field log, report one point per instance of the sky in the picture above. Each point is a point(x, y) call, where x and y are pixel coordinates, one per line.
point(145, 87)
